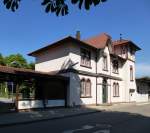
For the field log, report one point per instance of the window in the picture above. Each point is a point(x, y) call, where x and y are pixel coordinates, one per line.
point(88, 88)
point(116, 89)
point(85, 58)
point(131, 73)
point(105, 67)
point(85, 88)
point(123, 50)
point(115, 66)
point(82, 87)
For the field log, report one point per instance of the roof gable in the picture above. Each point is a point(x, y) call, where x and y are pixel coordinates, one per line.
point(60, 42)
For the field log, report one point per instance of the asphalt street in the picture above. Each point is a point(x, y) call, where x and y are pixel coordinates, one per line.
point(126, 119)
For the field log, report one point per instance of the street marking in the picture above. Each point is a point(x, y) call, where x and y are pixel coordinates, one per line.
point(88, 127)
point(103, 125)
point(102, 131)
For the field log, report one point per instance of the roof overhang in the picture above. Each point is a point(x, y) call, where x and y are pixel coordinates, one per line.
point(60, 42)
point(9, 73)
point(127, 42)
point(134, 45)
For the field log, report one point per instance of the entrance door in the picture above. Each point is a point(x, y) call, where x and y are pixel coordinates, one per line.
point(104, 91)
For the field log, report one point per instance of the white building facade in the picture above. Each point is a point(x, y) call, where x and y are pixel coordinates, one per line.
point(101, 71)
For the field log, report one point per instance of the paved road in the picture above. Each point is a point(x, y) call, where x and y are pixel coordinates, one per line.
point(126, 119)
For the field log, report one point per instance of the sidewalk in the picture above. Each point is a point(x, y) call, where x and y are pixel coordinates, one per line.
point(10, 119)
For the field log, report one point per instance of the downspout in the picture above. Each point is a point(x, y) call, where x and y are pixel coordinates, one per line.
point(110, 80)
point(96, 58)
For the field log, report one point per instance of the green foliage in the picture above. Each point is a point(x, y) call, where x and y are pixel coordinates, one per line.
point(27, 89)
point(16, 60)
point(31, 65)
point(2, 60)
point(3, 90)
point(55, 6)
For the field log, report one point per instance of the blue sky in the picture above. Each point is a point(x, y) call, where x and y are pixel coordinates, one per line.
point(31, 28)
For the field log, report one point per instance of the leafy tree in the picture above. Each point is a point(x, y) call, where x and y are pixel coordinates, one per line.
point(16, 60)
point(2, 60)
point(31, 65)
point(55, 6)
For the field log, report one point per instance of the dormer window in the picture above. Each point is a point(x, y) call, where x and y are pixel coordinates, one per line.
point(85, 58)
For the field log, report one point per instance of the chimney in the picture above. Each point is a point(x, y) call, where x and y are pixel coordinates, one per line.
point(78, 36)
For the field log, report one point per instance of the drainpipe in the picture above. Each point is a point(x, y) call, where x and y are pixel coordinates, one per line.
point(96, 58)
point(110, 80)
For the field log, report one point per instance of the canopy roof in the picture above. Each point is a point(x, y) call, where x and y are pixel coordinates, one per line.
point(11, 73)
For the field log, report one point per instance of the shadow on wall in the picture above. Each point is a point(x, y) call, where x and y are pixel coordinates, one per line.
point(75, 92)
point(68, 64)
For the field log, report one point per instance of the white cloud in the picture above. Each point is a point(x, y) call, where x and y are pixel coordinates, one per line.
point(142, 69)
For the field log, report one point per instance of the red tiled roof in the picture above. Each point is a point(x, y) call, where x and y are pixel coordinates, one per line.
point(94, 42)
point(126, 42)
point(98, 41)
point(118, 42)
